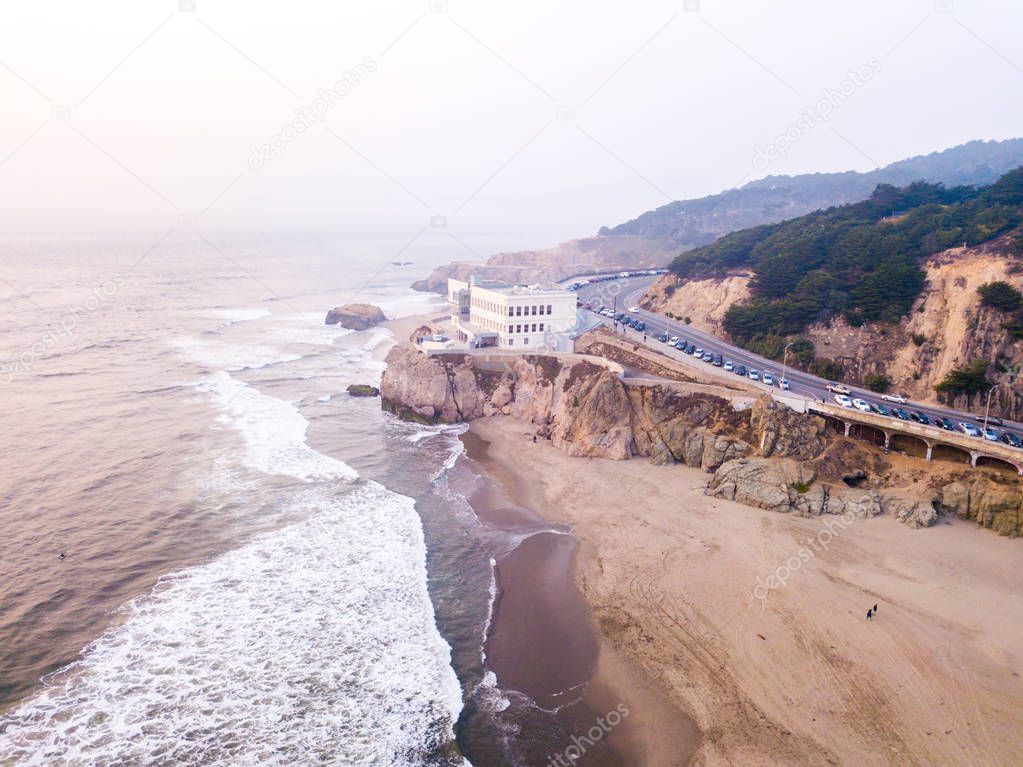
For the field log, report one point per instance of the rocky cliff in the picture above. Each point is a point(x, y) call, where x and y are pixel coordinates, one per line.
point(767, 456)
point(589, 255)
point(947, 328)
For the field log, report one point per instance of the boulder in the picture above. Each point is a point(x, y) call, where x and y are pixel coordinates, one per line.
point(363, 390)
point(914, 513)
point(772, 484)
point(355, 316)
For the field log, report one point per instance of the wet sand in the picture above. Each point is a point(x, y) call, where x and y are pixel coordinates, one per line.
point(543, 642)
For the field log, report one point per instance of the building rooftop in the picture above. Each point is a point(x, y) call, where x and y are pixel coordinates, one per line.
point(517, 290)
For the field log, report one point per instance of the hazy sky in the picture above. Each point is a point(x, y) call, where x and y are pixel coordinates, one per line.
point(536, 117)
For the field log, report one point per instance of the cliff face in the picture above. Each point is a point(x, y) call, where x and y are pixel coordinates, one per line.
point(947, 328)
point(704, 302)
point(767, 456)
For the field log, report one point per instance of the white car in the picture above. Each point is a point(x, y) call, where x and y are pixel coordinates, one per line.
point(754, 375)
point(729, 366)
point(843, 400)
point(633, 309)
point(837, 388)
point(674, 340)
point(896, 398)
point(969, 429)
point(861, 404)
point(768, 379)
point(783, 384)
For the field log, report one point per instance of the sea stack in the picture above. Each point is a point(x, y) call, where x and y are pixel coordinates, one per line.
point(355, 316)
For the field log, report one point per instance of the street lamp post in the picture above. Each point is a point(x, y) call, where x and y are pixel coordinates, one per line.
point(784, 360)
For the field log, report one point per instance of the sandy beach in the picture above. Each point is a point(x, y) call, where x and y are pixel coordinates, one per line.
point(693, 628)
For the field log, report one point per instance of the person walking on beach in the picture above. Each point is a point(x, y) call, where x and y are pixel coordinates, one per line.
point(875, 609)
point(870, 614)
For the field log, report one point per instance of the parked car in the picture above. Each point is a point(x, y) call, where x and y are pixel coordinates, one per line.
point(919, 417)
point(1011, 438)
point(861, 404)
point(990, 435)
point(843, 400)
point(633, 309)
point(663, 338)
point(697, 352)
point(741, 370)
point(901, 414)
point(881, 409)
point(968, 429)
point(990, 419)
point(896, 398)
point(707, 357)
point(729, 366)
point(674, 340)
point(690, 349)
point(681, 346)
point(768, 379)
point(754, 375)
point(836, 388)
point(947, 424)
point(640, 325)
point(783, 384)
point(718, 362)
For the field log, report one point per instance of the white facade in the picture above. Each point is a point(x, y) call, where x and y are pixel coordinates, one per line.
point(511, 317)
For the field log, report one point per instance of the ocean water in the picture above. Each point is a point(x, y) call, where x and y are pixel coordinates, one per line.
point(210, 554)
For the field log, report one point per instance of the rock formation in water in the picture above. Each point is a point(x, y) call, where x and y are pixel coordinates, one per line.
point(355, 316)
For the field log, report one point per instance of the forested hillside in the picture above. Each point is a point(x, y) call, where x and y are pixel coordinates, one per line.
point(861, 261)
point(695, 222)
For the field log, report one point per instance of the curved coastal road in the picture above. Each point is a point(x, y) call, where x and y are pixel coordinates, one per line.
point(801, 383)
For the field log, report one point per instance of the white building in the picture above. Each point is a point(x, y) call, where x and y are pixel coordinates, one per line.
point(510, 316)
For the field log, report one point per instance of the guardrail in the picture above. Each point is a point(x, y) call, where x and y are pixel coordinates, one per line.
point(931, 435)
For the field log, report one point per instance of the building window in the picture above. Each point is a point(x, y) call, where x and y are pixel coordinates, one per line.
point(548, 308)
point(511, 328)
point(541, 327)
point(534, 309)
point(511, 342)
point(534, 327)
point(518, 311)
point(541, 309)
point(511, 312)
point(526, 340)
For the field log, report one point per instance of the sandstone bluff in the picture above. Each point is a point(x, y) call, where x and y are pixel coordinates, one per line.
point(766, 455)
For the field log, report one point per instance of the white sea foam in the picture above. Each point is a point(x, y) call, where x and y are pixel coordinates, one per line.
point(312, 644)
point(234, 316)
point(274, 432)
point(220, 354)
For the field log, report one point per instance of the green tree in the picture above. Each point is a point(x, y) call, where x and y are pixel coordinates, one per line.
point(1000, 295)
point(878, 382)
point(969, 380)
